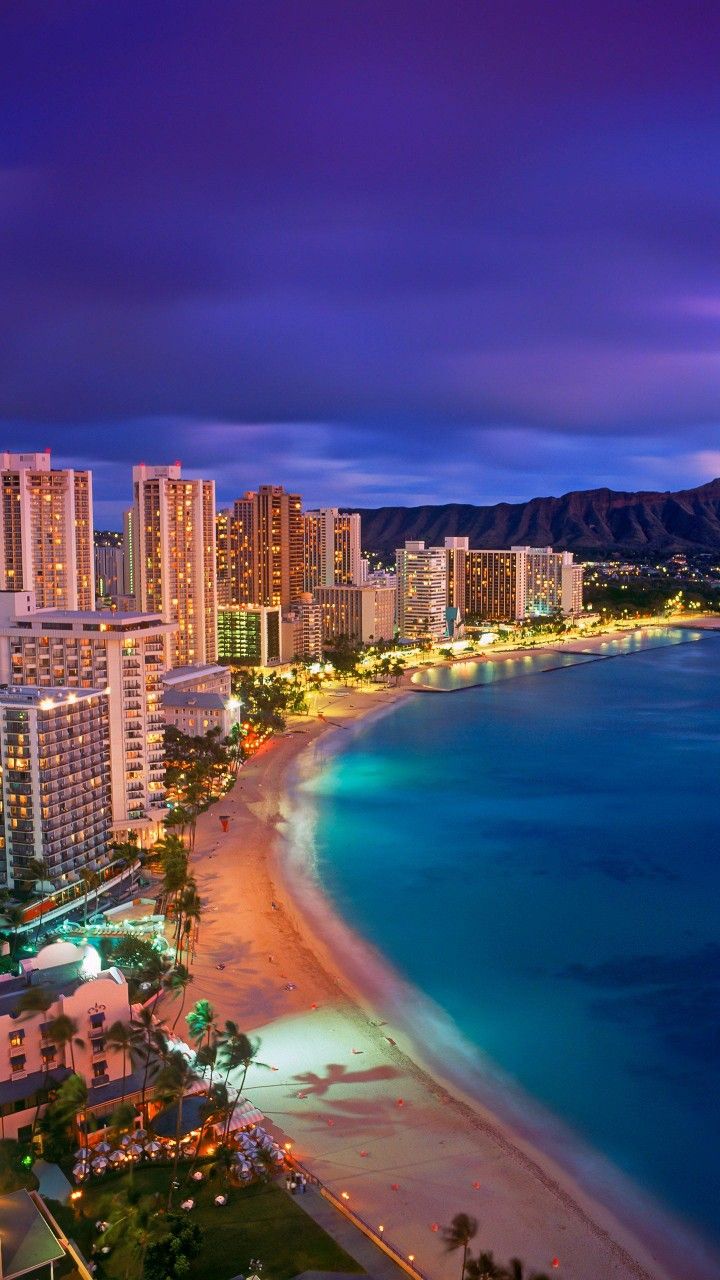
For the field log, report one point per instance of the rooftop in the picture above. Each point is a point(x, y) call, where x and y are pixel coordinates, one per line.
point(198, 671)
point(23, 695)
point(203, 701)
point(28, 1242)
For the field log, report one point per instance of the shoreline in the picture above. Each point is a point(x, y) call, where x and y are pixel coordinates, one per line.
point(367, 1112)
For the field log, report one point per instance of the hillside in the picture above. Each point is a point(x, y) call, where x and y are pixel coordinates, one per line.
point(592, 520)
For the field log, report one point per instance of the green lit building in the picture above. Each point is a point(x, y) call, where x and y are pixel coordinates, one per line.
point(249, 634)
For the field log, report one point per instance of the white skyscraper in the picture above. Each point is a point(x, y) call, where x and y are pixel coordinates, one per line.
point(422, 591)
point(46, 531)
point(175, 561)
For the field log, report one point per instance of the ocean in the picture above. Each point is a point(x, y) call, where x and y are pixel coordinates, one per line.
point(539, 855)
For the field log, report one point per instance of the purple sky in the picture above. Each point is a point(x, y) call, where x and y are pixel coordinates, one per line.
point(379, 252)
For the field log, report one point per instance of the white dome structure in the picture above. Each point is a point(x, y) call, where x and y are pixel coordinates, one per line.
point(56, 954)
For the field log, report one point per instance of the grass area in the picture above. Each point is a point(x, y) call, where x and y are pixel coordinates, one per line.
point(261, 1221)
point(13, 1173)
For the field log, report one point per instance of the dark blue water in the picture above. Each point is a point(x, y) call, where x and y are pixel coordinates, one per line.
point(541, 856)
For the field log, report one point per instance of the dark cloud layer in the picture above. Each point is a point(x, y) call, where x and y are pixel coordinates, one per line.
point(382, 252)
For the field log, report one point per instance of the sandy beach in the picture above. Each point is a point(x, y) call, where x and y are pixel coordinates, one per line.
point(365, 1109)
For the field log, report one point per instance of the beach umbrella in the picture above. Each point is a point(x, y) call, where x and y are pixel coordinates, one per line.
point(139, 1135)
point(125, 1140)
point(82, 1153)
point(152, 1148)
point(99, 1164)
point(103, 1148)
point(80, 1172)
point(116, 1157)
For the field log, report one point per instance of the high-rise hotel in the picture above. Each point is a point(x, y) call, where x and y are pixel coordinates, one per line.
point(175, 558)
point(54, 782)
point(46, 531)
point(421, 591)
point(122, 652)
point(332, 549)
point(261, 555)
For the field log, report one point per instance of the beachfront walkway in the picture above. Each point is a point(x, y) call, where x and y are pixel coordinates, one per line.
point(349, 1237)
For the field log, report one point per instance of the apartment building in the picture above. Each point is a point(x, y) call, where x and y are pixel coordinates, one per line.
point(332, 548)
point(55, 782)
point(32, 1063)
point(363, 614)
point(46, 531)
point(175, 561)
point(123, 653)
point(422, 591)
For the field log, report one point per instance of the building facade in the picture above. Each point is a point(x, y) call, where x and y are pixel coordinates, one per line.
point(175, 562)
point(226, 561)
point(109, 565)
point(494, 587)
point(250, 634)
point(129, 553)
point(46, 531)
point(302, 636)
point(55, 798)
point(421, 591)
point(32, 1062)
point(267, 548)
point(363, 614)
point(332, 548)
point(124, 653)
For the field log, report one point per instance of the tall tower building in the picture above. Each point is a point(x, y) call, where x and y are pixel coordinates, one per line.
point(175, 565)
point(123, 653)
point(267, 548)
point(130, 549)
point(422, 591)
point(46, 531)
point(55, 783)
point(225, 556)
point(332, 549)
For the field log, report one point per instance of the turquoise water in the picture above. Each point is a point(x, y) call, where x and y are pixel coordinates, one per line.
point(540, 856)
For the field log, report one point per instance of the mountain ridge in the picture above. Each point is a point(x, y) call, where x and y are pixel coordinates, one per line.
point(583, 520)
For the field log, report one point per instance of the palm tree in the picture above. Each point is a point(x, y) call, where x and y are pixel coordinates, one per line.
point(174, 862)
point(91, 880)
point(71, 1104)
point(35, 1000)
point(236, 1050)
point(119, 1039)
point(516, 1271)
point(36, 869)
point(149, 1044)
point(64, 1031)
point(14, 915)
point(213, 1110)
point(188, 909)
point(484, 1267)
point(458, 1235)
point(201, 1021)
point(174, 1079)
point(134, 1223)
point(176, 984)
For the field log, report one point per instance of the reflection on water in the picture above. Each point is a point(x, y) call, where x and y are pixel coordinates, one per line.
point(488, 670)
